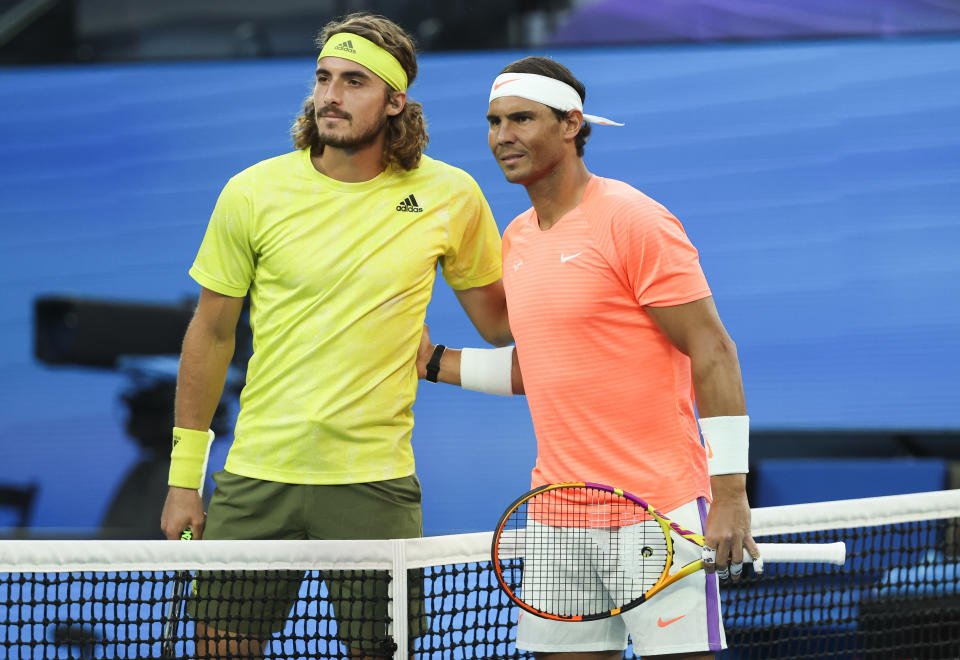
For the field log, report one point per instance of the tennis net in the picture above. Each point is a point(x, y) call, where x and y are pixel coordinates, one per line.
point(897, 595)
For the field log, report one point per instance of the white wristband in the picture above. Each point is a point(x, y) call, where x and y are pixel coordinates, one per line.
point(487, 370)
point(727, 441)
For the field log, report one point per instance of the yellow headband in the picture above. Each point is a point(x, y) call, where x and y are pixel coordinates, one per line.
point(363, 51)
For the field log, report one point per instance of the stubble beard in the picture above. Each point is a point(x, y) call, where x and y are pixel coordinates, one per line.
point(351, 142)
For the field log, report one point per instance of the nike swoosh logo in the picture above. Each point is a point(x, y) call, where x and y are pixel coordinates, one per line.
point(709, 448)
point(664, 624)
point(564, 259)
point(501, 84)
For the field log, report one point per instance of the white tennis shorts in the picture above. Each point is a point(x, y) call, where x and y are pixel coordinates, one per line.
point(685, 617)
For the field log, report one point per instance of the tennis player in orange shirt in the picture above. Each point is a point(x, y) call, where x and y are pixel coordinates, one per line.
point(617, 336)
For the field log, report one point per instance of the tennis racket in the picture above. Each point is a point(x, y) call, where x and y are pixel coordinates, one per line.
point(550, 540)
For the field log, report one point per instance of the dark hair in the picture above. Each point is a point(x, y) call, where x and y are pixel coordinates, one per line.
point(406, 136)
point(544, 66)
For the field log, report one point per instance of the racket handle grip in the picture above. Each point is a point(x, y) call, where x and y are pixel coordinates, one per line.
point(811, 553)
point(186, 535)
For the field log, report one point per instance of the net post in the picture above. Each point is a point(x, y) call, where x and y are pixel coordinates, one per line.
point(399, 598)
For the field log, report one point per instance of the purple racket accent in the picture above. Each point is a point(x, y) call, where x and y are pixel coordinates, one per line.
point(680, 530)
point(677, 528)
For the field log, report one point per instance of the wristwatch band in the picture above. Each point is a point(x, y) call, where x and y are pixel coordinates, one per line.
point(433, 366)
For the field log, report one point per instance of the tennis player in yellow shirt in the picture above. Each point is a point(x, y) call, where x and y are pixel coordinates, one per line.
point(336, 244)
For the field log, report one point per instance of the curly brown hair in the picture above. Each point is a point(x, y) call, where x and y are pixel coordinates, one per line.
point(406, 133)
point(544, 66)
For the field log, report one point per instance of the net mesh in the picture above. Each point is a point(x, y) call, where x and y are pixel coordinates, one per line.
point(895, 598)
point(897, 595)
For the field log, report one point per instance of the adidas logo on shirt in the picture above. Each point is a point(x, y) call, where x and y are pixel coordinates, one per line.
point(409, 204)
point(346, 46)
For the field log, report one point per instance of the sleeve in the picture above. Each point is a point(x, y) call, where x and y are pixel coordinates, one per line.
point(473, 257)
point(659, 262)
point(225, 261)
point(506, 242)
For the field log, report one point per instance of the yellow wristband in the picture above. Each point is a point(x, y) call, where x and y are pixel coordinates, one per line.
point(188, 458)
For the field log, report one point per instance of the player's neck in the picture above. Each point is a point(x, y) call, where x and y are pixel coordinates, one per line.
point(558, 192)
point(349, 165)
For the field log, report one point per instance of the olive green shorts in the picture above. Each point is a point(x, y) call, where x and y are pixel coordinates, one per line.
point(259, 605)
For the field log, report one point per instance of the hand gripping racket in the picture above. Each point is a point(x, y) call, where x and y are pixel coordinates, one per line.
point(581, 551)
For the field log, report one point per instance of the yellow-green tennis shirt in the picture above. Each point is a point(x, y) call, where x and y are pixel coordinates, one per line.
point(339, 276)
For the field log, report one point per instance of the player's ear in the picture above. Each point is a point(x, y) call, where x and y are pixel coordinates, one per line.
point(396, 101)
point(571, 124)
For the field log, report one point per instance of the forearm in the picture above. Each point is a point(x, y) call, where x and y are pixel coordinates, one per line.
point(451, 361)
point(449, 367)
point(723, 420)
point(204, 361)
point(725, 428)
point(717, 383)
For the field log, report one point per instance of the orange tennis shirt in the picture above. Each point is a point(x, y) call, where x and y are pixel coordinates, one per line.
point(610, 397)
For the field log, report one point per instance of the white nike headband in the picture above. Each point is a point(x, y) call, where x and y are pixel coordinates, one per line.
point(542, 89)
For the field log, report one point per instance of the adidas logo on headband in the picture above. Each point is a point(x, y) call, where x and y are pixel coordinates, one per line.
point(349, 46)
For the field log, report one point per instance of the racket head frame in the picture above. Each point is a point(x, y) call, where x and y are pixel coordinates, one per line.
point(666, 526)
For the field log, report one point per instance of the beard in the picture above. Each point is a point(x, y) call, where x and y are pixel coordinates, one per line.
point(366, 136)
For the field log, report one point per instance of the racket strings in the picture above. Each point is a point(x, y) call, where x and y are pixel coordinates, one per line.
point(581, 552)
